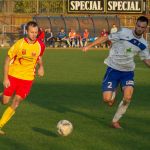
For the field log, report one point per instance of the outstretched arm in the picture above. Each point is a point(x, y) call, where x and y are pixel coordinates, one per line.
point(98, 41)
point(147, 62)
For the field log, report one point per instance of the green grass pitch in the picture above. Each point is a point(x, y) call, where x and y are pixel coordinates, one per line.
point(71, 89)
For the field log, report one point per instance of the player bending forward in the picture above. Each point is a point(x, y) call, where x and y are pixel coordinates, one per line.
point(19, 70)
point(126, 44)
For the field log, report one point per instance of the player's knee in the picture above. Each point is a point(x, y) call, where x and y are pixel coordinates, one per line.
point(4, 102)
point(106, 99)
point(16, 102)
point(127, 98)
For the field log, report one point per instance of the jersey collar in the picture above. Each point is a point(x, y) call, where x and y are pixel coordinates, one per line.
point(138, 37)
point(28, 42)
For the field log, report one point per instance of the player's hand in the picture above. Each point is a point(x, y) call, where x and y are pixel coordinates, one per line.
point(84, 49)
point(41, 71)
point(6, 83)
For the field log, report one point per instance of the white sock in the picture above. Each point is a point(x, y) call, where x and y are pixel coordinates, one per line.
point(113, 95)
point(121, 110)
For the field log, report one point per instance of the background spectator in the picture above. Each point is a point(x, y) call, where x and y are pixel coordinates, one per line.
point(49, 38)
point(85, 37)
point(102, 34)
point(78, 40)
point(41, 34)
point(72, 37)
point(62, 37)
point(113, 29)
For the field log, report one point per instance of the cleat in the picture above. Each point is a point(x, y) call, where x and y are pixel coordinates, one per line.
point(2, 132)
point(116, 125)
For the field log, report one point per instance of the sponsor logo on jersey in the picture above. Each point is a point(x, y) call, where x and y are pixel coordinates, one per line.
point(23, 52)
point(33, 54)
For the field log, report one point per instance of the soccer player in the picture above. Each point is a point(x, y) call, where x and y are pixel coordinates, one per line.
point(19, 70)
point(126, 43)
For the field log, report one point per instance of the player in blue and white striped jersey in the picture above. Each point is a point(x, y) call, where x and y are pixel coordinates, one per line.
point(126, 43)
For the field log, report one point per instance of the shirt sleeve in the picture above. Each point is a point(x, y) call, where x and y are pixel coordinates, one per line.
point(42, 47)
point(144, 54)
point(114, 37)
point(12, 52)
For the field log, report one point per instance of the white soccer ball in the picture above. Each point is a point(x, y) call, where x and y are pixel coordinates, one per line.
point(64, 127)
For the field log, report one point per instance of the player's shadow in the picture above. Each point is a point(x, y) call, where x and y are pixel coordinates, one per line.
point(44, 132)
point(12, 144)
point(64, 98)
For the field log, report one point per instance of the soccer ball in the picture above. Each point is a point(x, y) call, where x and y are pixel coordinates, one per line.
point(64, 127)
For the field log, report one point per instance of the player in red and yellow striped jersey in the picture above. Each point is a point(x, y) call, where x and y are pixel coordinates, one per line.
point(19, 70)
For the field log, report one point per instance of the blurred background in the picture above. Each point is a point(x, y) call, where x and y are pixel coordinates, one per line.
point(53, 15)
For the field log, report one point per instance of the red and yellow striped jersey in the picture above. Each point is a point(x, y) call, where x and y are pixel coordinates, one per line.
point(24, 57)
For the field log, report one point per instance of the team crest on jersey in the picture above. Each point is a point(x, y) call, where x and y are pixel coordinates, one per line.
point(33, 54)
point(23, 52)
point(129, 49)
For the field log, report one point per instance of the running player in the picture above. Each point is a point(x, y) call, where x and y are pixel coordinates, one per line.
point(126, 43)
point(19, 70)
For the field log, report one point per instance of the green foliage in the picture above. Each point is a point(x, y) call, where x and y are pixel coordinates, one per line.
point(24, 6)
point(38, 6)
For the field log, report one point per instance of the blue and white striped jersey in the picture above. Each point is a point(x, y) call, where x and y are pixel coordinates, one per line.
point(124, 47)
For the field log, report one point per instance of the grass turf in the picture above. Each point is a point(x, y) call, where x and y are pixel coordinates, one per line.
point(71, 89)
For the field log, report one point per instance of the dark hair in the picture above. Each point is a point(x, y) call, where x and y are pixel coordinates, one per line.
point(31, 23)
point(143, 19)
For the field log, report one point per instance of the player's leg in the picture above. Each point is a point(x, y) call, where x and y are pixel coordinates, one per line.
point(81, 43)
point(68, 42)
point(128, 84)
point(85, 42)
point(8, 92)
point(109, 97)
point(73, 42)
point(6, 114)
point(5, 98)
point(128, 91)
point(22, 91)
point(10, 111)
point(109, 85)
